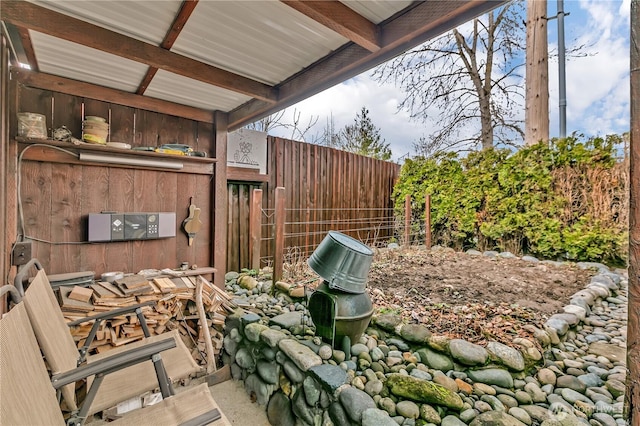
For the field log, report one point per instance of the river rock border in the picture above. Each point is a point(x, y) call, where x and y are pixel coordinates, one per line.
point(401, 374)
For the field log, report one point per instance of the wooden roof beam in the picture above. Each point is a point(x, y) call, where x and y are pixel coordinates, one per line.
point(341, 19)
point(424, 21)
point(172, 35)
point(25, 38)
point(28, 15)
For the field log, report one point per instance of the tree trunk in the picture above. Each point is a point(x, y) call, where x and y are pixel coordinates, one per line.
point(485, 120)
point(537, 73)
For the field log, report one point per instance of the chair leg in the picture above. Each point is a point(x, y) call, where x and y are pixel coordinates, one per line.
point(166, 388)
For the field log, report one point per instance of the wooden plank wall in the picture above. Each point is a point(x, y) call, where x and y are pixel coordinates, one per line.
point(57, 198)
point(326, 189)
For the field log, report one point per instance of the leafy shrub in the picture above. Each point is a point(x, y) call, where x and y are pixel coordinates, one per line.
point(567, 199)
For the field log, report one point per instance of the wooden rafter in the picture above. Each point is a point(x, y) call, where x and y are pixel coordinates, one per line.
point(27, 46)
point(341, 19)
point(424, 21)
point(178, 24)
point(56, 24)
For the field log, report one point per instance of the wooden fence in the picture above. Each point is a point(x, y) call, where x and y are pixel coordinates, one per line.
point(324, 189)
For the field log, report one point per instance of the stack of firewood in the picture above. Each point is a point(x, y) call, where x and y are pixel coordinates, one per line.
point(174, 308)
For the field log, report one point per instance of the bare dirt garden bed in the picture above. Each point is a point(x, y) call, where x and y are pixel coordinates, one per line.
point(477, 298)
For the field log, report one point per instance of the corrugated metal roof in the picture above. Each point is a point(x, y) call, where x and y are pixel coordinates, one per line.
point(377, 10)
point(183, 90)
point(72, 60)
point(144, 20)
point(263, 40)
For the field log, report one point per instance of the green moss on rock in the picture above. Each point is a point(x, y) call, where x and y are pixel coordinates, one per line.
point(423, 391)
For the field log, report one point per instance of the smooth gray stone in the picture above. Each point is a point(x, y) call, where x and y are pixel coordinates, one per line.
point(468, 415)
point(537, 413)
point(415, 333)
point(279, 410)
point(268, 371)
point(331, 377)
point(548, 389)
point(606, 280)
point(591, 380)
point(491, 418)
point(398, 343)
point(473, 252)
point(571, 319)
point(435, 360)
point(530, 259)
point(271, 337)
point(490, 253)
point(408, 409)
point(616, 387)
point(254, 385)
point(571, 382)
point(572, 396)
point(358, 348)
point(245, 360)
point(419, 374)
point(301, 355)
point(468, 353)
point(521, 415)
point(388, 405)
point(611, 352)
point(605, 419)
point(492, 376)
point(354, 401)
point(506, 355)
point(506, 255)
point(430, 414)
point(494, 402)
point(376, 417)
point(387, 322)
point(535, 392)
point(301, 409)
point(231, 275)
point(252, 331)
point(452, 421)
point(508, 401)
point(287, 320)
point(293, 372)
point(311, 390)
point(523, 397)
point(559, 325)
point(373, 387)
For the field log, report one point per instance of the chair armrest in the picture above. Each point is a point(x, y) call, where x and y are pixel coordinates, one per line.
point(18, 280)
point(114, 363)
point(204, 419)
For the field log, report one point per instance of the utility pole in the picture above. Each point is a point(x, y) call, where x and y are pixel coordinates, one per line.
point(537, 74)
point(562, 83)
point(632, 393)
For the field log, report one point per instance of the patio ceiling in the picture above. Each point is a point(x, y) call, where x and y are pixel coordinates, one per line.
point(244, 58)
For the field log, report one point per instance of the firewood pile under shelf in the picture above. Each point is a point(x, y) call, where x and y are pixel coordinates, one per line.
point(173, 307)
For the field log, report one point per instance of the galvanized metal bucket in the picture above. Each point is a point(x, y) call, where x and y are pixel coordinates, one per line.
point(343, 262)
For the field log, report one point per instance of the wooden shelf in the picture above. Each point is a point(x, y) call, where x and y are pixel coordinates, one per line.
point(39, 152)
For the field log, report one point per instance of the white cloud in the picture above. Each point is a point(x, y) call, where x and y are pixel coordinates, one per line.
point(344, 101)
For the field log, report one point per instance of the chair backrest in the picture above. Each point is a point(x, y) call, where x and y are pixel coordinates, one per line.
point(26, 394)
point(51, 331)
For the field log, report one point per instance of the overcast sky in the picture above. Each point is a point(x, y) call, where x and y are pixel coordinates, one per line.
point(597, 84)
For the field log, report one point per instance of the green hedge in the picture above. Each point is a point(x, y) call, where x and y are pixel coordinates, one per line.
point(564, 200)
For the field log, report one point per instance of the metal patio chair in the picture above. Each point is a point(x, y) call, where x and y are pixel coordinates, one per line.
point(62, 355)
point(28, 394)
